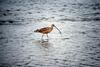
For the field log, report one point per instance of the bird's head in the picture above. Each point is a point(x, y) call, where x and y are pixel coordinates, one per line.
point(52, 25)
point(56, 28)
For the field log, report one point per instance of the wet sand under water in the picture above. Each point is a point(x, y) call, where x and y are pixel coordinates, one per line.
point(78, 46)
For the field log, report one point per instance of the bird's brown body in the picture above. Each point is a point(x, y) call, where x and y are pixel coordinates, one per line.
point(46, 30)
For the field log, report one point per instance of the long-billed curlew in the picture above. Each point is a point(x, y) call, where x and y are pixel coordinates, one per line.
point(46, 30)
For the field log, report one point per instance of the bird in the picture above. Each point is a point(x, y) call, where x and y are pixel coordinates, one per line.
point(46, 30)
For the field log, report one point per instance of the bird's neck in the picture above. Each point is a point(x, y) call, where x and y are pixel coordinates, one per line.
point(52, 27)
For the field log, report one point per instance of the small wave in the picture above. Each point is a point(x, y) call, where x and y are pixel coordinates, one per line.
point(95, 6)
point(91, 19)
point(93, 14)
point(67, 19)
point(81, 19)
point(5, 65)
point(9, 22)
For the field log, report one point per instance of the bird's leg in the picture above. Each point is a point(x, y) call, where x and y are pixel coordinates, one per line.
point(42, 37)
point(47, 37)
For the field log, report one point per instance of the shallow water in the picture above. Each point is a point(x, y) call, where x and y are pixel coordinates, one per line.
point(78, 46)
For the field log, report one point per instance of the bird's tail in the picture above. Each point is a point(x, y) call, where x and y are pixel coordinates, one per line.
point(36, 30)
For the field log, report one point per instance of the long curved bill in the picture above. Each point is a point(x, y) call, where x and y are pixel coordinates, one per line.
point(58, 29)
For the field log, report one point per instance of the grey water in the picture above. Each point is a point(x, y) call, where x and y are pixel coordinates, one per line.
point(77, 46)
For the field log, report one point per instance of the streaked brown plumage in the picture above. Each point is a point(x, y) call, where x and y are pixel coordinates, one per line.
point(46, 30)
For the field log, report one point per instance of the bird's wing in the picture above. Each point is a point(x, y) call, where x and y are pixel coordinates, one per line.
point(44, 29)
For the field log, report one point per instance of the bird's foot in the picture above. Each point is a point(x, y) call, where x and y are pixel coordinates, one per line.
point(45, 39)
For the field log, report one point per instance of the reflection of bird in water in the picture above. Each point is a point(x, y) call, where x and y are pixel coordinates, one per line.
point(46, 30)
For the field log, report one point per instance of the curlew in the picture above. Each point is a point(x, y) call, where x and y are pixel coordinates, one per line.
point(46, 30)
